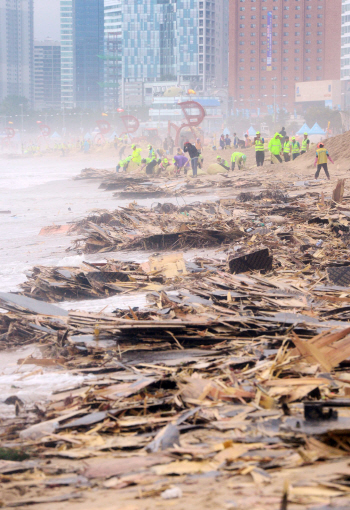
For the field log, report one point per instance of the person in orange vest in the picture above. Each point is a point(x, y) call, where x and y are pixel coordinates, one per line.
point(321, 160)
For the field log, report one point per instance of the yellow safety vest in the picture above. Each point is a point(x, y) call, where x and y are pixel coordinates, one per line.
point(286, 147)
point(322, 156)
point(304, 144)
point(295, 148)
point(259, 146)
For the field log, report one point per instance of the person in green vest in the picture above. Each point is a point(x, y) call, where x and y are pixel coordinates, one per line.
point(136, 155)
point(275, 147)
point(152, 152)
point(305, 144)
point(321, 161)
point(239, 158)
point(259, 149)
point(150, 164)
point(164, 164)
point(295, 148)
point(222, 162)
point(286, 149)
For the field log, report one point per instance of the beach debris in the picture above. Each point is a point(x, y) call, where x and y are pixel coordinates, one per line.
point(257, 260)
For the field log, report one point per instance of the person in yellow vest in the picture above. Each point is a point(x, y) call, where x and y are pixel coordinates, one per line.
point(222, 162)
point(259, 149)
point(286, 149)
point(136, 154)
point(321, 160)
point(305, 144)
point(295, 148)
point(275, 147)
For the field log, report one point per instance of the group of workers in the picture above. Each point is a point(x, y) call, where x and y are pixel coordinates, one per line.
point(157, 159)
point(281, 145)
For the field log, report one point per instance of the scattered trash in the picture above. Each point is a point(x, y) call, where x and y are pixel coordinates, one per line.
point(258, 260)
point(173, 493)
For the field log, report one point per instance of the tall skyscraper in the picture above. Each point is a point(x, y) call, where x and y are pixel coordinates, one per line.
point(345, 53)
point(113, 53)
point(16, 48)
point(82, 65)
point(47, 74)
point(275, 43)
point(167, 40)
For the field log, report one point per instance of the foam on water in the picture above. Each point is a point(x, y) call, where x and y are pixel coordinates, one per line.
point(30, 383)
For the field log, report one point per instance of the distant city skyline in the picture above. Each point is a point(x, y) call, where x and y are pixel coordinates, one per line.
point(47, 19)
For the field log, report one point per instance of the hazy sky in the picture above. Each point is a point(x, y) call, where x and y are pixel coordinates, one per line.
point(47, 19)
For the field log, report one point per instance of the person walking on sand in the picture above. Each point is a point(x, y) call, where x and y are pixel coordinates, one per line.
point(321, 160)
point(194, 154)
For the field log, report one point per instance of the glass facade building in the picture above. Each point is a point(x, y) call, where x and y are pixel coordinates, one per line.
point(16, 48)
point(82, 41)
point(149, 42)
point(47, 74)
point(89, 49)
point(67, 54)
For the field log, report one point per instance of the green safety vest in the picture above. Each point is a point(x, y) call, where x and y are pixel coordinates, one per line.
point(236, 156)
point(304, 144)
point(275, 146)
point(259, 145)
point(295, 148)
point(286, 147)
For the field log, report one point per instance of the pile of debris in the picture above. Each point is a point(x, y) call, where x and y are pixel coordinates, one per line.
point(93, 173)
point(141, 228)
point(90, 280)
point(254, 398)
point(236, 372)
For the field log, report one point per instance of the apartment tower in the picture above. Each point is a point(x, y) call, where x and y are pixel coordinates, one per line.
point(276, 43)
point(16, 49)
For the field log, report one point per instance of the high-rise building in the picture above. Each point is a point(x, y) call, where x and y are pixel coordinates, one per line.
point(47, 74)
point(67, 54)
point(345, 53)
point(16, 48)
point(177, 41)
point(82, 64)
point(113, 53)
point(276, 43)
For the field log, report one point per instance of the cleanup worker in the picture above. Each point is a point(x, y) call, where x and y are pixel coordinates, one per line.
point(181, 162)
point(239, 158)
point(259, 149)
point(248, 142)
point(305, 144)
point(150, 164)
point(164, 164)
point(322, 157)
point(275, 147)
point(286, 149)
point(151, 152)
point(295, 148)
point(222, 162)
point(193, 153)
point(136, 155)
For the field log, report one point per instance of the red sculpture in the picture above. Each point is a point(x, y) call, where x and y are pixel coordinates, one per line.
point(45, 130)
point(10, 132)
point(131, 124)
point(104, 126)
point(193, 119)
